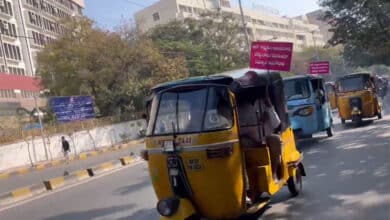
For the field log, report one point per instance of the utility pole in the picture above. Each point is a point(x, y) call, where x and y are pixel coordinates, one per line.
point(244, 27)
point(41, 126)
point(315, 45)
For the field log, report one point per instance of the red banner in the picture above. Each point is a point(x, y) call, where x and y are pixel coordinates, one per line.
point(319, 67)
point(271, 55)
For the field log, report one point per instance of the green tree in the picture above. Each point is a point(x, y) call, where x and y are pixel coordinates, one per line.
point(363, 27)
point(117, 71)
point(211, 44)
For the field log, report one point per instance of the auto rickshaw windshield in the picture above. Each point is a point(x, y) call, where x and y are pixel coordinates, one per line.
point(352, 84)
point(190, 110)
point(296, 89)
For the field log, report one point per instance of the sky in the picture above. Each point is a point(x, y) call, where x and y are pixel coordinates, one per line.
point(110, 13)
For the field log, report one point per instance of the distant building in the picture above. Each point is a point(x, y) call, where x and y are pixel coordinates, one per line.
point(26, 26)
point(261, 24)
point(317, 18)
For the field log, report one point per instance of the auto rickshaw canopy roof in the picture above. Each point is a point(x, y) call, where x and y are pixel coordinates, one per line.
point(353, 75)
point(237, 80)
point(246, 83)
point(302, 77)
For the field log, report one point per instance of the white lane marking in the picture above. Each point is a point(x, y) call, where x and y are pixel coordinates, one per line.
point(48, 193)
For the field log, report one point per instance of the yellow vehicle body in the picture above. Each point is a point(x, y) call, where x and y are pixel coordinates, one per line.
point(218, 183)
point(361, 102)
point(370, 107)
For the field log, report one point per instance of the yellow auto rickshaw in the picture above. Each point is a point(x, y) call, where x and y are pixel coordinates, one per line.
point(331, 92)
point(357, 98)
point(208, 150)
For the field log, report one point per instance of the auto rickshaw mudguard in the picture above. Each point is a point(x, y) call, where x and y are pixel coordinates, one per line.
point(184, 211)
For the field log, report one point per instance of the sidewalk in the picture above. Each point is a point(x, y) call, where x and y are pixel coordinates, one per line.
point(25, 176)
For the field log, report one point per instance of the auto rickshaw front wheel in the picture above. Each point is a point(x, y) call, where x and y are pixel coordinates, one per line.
point(294, 183)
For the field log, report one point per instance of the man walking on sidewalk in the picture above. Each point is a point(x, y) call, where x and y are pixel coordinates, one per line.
point(65, 148)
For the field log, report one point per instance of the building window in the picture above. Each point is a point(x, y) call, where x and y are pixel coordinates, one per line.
point(156, 16)
point(12, 52)
point(16, 71)
point(225, 3)
point(7, 28)
point(6, 7)
point(186, 9)
point(300, 37)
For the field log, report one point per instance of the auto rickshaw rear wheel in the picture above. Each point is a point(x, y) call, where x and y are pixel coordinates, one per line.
point(343, 121)
point(294, 183)
point(329, 131)
point(379, 115)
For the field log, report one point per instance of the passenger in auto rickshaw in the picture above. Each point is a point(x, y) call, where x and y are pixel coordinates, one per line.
point(260, 126)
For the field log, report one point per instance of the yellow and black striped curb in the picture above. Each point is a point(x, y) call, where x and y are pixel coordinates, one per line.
point(61, 181)
point(104, 167)
point(127, 160)
point(21, 194)
point(81, 156)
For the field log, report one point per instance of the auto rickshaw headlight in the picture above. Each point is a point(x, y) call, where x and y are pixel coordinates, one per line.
point(305, 111)
point(168, 207)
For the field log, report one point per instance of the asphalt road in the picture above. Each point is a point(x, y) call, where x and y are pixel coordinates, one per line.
point(348, 178)
point(34, 177)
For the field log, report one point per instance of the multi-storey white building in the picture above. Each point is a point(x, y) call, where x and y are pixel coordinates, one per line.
point(262, 25)
point(25, 27)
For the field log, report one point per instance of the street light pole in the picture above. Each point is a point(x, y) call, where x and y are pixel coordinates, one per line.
point(41, 126)
point(244, 26)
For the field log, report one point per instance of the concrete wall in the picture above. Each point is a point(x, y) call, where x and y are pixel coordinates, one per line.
point(32, 151)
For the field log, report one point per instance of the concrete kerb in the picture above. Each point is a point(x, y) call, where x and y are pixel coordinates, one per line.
point(57, 182)
point(61, 181)
point(104, 167)
point(21, 194)
point(127, 160)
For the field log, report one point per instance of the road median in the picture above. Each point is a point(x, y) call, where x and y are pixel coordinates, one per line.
point(104, 167)
point(21, 194)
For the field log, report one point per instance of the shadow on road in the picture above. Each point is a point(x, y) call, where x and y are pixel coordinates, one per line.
point(144, 214)
point(145, 182)
point(348, 177)
point(91, 214)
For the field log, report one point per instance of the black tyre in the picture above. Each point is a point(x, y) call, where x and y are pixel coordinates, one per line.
point(343, 121)
point(294, 183)
point(379, 115)
point(329, 131)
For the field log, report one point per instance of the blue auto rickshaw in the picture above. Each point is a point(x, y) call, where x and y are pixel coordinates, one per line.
point(308, 106)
